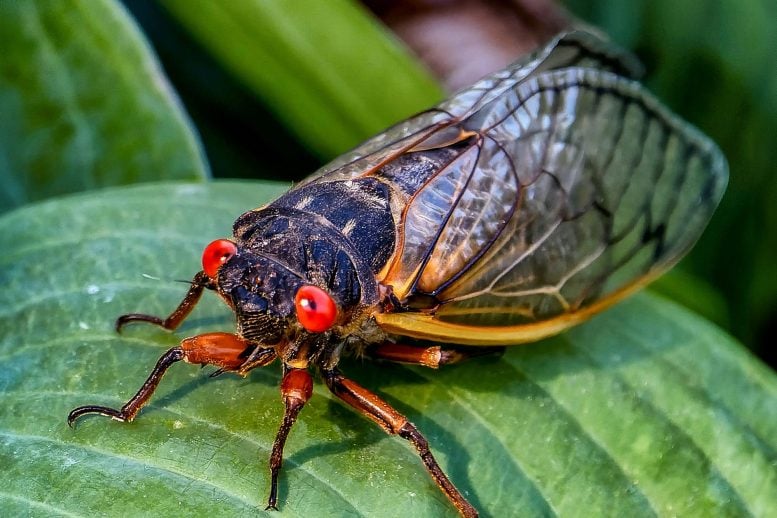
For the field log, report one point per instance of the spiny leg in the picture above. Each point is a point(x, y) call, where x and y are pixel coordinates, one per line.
point(373, 407)
point(132, 407)
point(199, 283)
point(432, 357)
point(224, 350)
point(296, 389)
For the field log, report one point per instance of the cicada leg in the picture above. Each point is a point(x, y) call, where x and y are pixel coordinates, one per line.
point(432, 357)
point(394, 423)
point(224, 350)
point(198, 284)
point(296, 389)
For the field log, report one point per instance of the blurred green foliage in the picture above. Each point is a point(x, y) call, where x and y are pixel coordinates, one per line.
point(59, 131)
point(324, 68)
point(327, 76)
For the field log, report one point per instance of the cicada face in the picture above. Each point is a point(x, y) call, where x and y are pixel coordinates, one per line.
point(261, 292)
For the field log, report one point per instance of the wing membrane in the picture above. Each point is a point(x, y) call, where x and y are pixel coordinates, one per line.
point(583, 185)
point(564, 186)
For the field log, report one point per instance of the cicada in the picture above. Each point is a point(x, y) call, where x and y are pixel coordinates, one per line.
point(513, 210)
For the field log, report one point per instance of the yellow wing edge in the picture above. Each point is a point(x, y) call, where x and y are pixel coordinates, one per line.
point(424, 326)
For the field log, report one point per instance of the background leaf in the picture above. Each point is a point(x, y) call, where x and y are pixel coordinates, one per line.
point(83, 103)
point(326, 69)
point(643, 410)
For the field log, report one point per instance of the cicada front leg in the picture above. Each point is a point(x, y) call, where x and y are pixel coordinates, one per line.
point(198, 284)
point(226, 351)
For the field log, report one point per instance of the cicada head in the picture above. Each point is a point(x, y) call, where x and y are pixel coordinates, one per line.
point(261, 292)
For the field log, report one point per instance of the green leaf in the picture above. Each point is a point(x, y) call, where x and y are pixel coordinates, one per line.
point(84, 104)
point(644, 410)
point(327, 69)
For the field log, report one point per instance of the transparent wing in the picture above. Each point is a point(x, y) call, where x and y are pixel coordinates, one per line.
point(580, 185)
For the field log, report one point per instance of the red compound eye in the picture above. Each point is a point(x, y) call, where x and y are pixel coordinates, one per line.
point(216, 254)
point(316, 310)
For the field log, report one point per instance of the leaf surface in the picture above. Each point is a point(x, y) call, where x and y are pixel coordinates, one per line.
point(644, 410)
